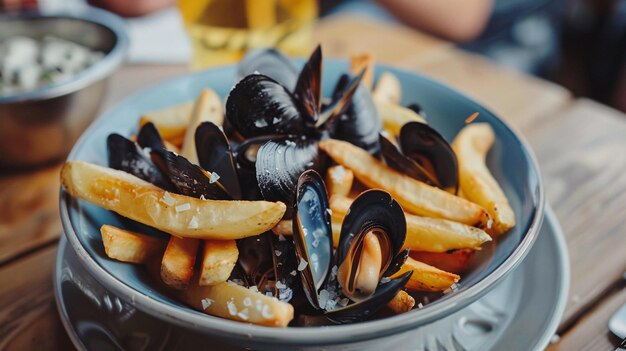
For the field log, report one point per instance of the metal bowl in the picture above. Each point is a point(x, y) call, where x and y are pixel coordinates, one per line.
point(510, 160)
point(41, 125)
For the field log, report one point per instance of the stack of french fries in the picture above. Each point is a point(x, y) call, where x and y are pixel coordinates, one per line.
point(443, 230)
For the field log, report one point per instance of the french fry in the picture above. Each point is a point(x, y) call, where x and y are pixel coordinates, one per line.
point(387, 90)
point(179, 215)
point(478, 185)
point(171, 122)
point(284, 227)
point(395, 116)
point(456, 262)
point(231, 301)
point(423, 233)
point(402, 302)
point(218, 259)
point(414, 196)
point(339, 180)
point(363, 62)
point(207, 107)
point(126, 246)
point(426, 277)
point(178, 262)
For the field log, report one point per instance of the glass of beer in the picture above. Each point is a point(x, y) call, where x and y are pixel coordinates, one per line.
point(221, 31)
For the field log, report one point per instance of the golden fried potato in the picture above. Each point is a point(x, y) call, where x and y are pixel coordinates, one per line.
point(207, 108)
point(456, 262)
point(478, 185)
point(218, 260)
point(171, 122)
point(414, 196)
point(339, 180)
point(363, 62)
point(387, 90)
point(178, 262)
point(231, 301)
point(425, 277)
point(402, 302)
point(284, 227)
point(126, 246)
point(395, 116)
point(178, 215)
point(423, 233)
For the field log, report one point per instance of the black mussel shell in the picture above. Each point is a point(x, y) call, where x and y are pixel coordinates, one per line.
point(308, 89)
point(256, 259)
point(396, 160)
point(271, 63)
point(258, 105)
point(312, 234)
point(364, 309)
point(149, 137)
point(124, 155)
point(245, 157)
point(372, 209)
point(280, 162)
point(360, 124)
point(396, 263)
point(341, 100)
point(285, 267)
point(215, 155)
point(189, 179)
point(423, 144)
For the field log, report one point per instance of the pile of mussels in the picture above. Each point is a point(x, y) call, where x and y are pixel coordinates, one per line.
point(268, 149)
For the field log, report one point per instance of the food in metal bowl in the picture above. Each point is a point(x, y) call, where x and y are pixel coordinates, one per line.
point(28, 63)
point(299, 210)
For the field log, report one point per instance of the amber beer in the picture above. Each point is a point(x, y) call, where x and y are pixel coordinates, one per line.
point(221, 31)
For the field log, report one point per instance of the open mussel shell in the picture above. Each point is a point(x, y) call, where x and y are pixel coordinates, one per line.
point(372, 235)
point(189, 179)
point(364, 309)
point(312, 234)
point(127, 156)
point(149, 137)
point(360, 124)
point(215, 155)
point(396, 160)
point(255, 259)
point(245, 157)
point(258, 105)
point(271, 63)
point(308, 89)
point(423, 144)
point(280, 162)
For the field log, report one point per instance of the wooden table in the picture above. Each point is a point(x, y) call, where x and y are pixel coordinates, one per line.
point(580, 145)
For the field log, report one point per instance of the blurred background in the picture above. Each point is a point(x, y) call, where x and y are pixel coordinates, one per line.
point(579, 44)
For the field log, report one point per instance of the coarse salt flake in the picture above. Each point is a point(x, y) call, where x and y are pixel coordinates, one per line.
point(193, 223)
point(243, 314)
point(214, 177)
point(280, 285)
point(247, 301)
point(206, 303)
point(183, 207)
point(168, 199)
point(266, 312)
point(278, 253)
point(232, 309)
point(302, 265)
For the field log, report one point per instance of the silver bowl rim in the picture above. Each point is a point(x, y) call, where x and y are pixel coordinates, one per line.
point(111, 61)
point(309, 336)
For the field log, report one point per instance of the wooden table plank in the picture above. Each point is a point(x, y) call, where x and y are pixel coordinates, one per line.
point(591, 332)
point(28, 314)
point(516, 97)
point(582, 159)
point(29, 212)
point(343, 36)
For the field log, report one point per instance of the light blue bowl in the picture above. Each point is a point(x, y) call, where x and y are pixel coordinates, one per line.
point(510, 160)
